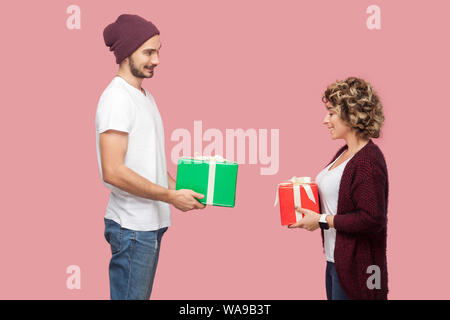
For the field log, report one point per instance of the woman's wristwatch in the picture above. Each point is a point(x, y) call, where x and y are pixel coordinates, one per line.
point(323, 224)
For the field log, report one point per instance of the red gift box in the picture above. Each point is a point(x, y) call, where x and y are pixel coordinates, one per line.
point(301, 192)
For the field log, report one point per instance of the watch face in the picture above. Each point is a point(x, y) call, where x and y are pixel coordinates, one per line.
point(324, 225)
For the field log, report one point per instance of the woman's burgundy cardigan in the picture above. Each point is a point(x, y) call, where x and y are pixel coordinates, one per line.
point(361, 222)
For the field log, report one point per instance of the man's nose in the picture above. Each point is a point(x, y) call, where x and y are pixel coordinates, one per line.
point(325, 120)
point(155, 59)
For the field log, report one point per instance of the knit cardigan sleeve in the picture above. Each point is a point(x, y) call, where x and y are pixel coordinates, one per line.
point(368, 195)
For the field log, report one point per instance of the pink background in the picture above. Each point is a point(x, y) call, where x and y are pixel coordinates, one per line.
point(232, 64)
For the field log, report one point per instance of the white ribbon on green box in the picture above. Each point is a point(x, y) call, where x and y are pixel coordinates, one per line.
point(211, 174)
point(298, 182)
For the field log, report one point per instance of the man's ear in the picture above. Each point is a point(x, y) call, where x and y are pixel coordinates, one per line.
point(124, 62)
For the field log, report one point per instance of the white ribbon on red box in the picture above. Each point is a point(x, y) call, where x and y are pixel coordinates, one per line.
point(298, 182)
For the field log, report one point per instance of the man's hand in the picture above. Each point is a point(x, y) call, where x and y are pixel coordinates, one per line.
point(185, 199)
point(309, 222)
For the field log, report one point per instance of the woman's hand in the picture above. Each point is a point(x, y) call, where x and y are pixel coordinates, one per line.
point(309, 222)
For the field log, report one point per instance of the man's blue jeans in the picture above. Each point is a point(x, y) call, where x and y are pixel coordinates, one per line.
point(334, 290)
point(133, 263)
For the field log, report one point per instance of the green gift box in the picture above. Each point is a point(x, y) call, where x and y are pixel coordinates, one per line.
point(214, 177)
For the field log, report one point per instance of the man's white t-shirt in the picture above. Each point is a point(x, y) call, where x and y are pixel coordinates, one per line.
point(328, 183)
point(124, 108)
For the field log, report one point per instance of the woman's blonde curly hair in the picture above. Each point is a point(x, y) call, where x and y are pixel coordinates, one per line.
point(358, 105)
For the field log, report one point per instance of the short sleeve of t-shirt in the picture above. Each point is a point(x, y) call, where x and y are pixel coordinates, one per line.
point(115, 112)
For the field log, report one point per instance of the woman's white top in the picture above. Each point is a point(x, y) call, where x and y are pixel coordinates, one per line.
point(328, 182)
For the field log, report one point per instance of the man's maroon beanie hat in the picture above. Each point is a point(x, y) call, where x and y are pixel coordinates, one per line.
point(127, 34)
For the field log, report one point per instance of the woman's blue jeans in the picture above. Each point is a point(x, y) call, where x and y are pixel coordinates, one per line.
point(133, 263)
point(334, 290)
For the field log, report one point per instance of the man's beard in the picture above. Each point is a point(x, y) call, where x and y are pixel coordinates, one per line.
point(136, 72)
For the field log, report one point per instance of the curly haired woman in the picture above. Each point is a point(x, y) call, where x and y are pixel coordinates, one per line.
point(353, 191)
